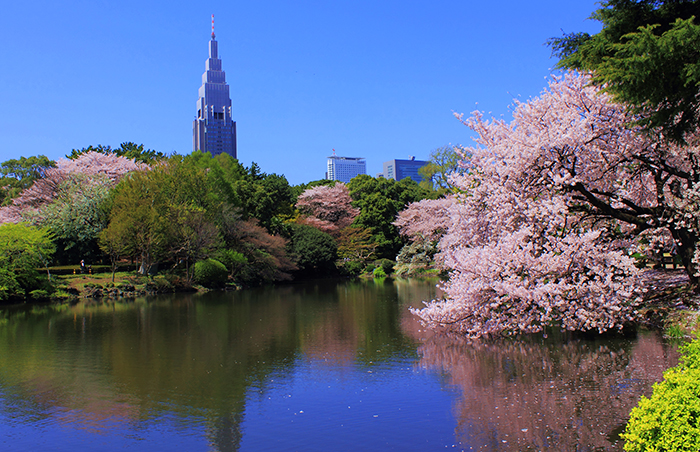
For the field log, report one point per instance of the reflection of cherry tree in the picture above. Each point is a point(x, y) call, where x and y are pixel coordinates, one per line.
point(542, 395)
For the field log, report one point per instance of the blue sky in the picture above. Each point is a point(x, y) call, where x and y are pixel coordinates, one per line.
point(375, 79)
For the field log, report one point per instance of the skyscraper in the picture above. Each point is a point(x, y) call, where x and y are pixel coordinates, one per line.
point(214, 130)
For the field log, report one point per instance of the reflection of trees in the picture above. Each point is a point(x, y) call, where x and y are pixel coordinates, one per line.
point(114, 364)
point(547, 394)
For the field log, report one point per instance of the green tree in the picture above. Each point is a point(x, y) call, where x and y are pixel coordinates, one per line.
point(76, 216)
point(379, 201)
point(444, 161)
point(647, 55)
point(127, 149)
point(192, 236)
point(166, 213)
point(112, 243)
point(266, 197)
point(18, 174)
point(313, 251)
point(23, 250)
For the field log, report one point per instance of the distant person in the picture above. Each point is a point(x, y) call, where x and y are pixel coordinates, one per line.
point(82, 266)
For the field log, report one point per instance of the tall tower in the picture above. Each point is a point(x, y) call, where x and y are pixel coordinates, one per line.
point(214, 129)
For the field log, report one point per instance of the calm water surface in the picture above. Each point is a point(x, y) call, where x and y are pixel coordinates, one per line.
point(326, 366)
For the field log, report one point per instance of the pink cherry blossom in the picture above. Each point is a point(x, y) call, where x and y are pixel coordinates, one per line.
point(327, 208)
point(43, 191)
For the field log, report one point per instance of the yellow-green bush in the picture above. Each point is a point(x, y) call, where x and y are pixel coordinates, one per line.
point(670, 419)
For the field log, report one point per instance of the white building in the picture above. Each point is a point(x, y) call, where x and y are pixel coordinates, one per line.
point(345, 168)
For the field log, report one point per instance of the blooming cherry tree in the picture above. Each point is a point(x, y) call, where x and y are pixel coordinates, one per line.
point(539, 234)
point(425, 220)
point(108, 168)
point(327, 208)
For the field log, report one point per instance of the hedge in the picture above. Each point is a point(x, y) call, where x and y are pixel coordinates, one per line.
point(670, 419)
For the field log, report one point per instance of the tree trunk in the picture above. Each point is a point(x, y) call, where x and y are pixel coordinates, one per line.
point(686, 243)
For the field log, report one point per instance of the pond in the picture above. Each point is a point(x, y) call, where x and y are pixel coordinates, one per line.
point(318, 366)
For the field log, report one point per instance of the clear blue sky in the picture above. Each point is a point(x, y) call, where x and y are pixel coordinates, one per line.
point(375, 79)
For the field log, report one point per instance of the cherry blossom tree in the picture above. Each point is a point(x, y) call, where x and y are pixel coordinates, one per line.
point(425, 220)
point(327, 208)
point(540, 234)
point(45, 190)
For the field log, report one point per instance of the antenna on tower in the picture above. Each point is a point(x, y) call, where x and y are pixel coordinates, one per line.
point(212, 27)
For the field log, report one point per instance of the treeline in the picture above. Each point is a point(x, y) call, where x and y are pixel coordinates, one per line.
point(201, 219)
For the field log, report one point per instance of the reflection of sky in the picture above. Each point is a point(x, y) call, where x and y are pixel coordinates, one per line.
point(309, 406)
point(393, 406)
point(49, 434)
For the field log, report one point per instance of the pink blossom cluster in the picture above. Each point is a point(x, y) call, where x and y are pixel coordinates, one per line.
point(425, 220)
point(531, 239)
point(44, 191)
point(327, 208)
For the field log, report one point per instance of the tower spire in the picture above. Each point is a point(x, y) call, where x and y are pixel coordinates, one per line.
point(213, 36)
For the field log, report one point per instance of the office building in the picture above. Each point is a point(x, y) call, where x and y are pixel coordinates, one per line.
point(400, 169)
point(345, 168)
point(214, 130)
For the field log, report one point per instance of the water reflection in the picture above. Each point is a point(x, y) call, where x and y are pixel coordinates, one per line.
point(217, 372)
point(547, 394)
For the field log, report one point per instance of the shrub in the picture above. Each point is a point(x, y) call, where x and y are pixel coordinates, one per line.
point(379, 273)
point(210, 273)
point(353, 268)
point(387, 265)
point(313, 251)
point(670, 419)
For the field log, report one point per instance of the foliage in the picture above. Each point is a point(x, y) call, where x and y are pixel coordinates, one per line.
point(76, 216)
point(44, 190)
point(167, 211)
point(414, 258)
point(210, 273)
point(387, 265)
point(127, 149)
point(313, 251)
point(266, 197)
point(19, 174)
point(641, 43)
point(668, 421)
point(111, 242)
point(379, 201)
point(379, 273)
point(444, 162)
point(265, 254)
point(540, 234)
point(23, 250)
point(352, 268)
point(233, 260)
point(356, 243)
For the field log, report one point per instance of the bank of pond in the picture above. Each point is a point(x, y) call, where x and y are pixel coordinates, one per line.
point(315, 365)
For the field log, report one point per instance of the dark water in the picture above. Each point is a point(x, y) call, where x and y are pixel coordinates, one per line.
point(329, 366)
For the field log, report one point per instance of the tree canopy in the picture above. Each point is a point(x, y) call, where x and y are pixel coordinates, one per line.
point(128, 149)
point(444, 161)
point(647, 55)
point(24, 250)
point(541, 232)
point(379, 201)
point(19, 174)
